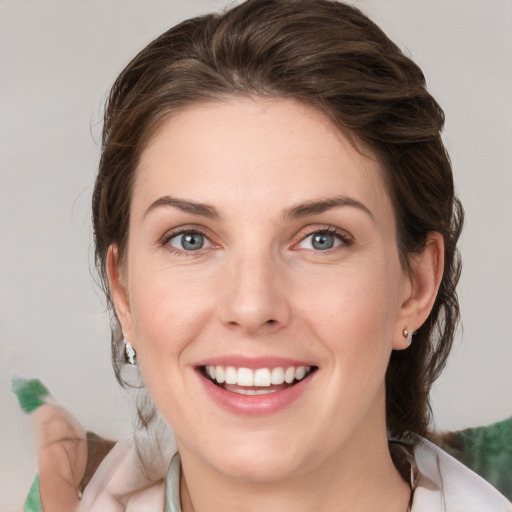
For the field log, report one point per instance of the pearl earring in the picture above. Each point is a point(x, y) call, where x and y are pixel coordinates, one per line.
point(407, 335)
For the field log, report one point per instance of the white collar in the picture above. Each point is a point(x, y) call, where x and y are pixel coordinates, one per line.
point(446, 485)
point(443, 485)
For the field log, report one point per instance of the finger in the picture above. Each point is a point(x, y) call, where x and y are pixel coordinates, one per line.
point(147, 500)
point(62, 457)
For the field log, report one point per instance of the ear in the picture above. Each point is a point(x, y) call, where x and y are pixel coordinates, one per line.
point(425, 277)
point(118, 289)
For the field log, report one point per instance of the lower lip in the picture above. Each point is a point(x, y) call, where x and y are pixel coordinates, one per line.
point(255, 405)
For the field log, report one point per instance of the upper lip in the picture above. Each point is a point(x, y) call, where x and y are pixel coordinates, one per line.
point(242, 361)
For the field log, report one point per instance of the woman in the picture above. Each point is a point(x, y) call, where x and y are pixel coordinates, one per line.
point(276, 227)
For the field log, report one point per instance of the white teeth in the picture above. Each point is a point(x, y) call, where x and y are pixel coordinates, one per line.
point(289, 375)
point(242, 391)
point(300, 372)
point(219, 374)
point(261, 377)
point(231, 375)
point(245, 377)
point(277, 376)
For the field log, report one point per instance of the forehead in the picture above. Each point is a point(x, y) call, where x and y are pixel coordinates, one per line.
point(254, 152)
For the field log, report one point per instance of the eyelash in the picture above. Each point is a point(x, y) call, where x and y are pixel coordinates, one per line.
point(345, 239)
point(343, 236)
point(181, 231)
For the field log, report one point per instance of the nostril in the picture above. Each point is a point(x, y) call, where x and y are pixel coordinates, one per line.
point(251, 323)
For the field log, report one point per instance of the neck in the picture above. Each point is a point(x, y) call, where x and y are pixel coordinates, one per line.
point(360, 476)
point(384, 491)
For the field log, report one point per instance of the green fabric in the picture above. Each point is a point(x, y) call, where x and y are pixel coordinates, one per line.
point(33, 501)
point(172, 490)
point(487, 451)
point(30, 393)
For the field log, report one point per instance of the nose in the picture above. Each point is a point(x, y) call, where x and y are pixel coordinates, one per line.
point(254, 299)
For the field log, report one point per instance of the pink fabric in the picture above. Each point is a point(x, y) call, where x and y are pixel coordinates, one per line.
point(119, 484)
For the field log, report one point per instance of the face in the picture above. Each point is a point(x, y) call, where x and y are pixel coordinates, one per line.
point(262, 288)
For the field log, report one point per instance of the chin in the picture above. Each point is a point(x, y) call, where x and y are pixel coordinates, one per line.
point(264, 467)
point(262, 459)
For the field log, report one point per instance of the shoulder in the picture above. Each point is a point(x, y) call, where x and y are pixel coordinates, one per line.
point(446, 485)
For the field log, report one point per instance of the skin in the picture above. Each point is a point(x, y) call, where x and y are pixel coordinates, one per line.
point(258, 287)
point(62, 457)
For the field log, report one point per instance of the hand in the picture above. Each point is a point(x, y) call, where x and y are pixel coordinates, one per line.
point(62, 457)
point(120, 485)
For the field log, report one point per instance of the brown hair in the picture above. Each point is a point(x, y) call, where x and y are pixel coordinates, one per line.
point(330, 56)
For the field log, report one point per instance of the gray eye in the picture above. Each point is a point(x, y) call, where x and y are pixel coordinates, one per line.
point(188, 241)
point(322, 241)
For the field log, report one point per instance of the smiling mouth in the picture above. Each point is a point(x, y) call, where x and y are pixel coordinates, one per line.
point(261, 381)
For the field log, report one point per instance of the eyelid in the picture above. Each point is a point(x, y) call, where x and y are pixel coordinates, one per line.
point(345, 237)
point(183, 230)
point(206, 241)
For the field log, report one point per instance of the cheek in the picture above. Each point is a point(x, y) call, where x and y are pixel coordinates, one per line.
point(353, 312)
point(168, 315)
point(167, 312)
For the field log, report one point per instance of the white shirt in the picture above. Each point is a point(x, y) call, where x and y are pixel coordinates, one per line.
point(446, 485)
point(443, 485)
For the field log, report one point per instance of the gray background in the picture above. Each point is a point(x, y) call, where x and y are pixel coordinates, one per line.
point(57, 60)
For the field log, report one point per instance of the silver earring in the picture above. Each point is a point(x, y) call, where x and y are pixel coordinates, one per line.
point(407, 335)
point(129, 352)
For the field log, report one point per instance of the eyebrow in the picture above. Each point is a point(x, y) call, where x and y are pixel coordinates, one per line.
point(322, 205)
point(295, 212)
point(186, 205)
